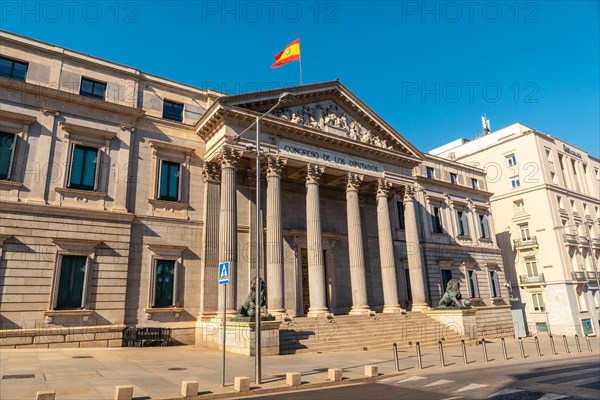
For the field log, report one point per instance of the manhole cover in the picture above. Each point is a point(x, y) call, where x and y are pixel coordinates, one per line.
point(21, 376)
point(177, 369)
point(83, 356)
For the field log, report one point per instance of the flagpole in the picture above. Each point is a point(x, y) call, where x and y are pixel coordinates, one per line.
point(300, 59)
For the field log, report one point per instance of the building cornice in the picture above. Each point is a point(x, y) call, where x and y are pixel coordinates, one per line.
point(62, 211)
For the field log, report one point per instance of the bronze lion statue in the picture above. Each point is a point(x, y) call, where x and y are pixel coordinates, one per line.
point(452, 297)
point(248, 308)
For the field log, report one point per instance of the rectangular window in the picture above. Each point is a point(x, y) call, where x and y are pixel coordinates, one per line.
point(474, 183)
point(84, 168)
point(519, 206)
point(586, 324)
point(524, 231)
point(494, 284)
point(460, 222)
point(548, 155)
point(538, 302)
point(483, 227)
point(436, 220)
point(511, 160)
point(164, 283)
point(446, 277)
point(169, 181)
point(453, 179)
point(541, 327)
point(71, 282)
point(531, 267)
point(560, 202)
point(473, 286)
point(401, 214)
point(173, 111)
point(515, 182)
point(430, 172)
point(13, 69)
point(7, 152)
point(91, 88)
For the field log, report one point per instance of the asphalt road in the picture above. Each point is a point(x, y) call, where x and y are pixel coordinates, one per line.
point(546, 379)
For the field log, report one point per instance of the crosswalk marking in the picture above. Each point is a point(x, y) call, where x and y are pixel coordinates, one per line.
point(472, 386)
point(412, 378)
point(505, 391)
point(552, 396)
point(440, 382)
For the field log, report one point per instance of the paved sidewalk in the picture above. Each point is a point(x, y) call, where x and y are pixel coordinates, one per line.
point(157, 373)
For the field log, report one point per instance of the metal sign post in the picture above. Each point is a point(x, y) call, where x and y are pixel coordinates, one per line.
point(224, 280)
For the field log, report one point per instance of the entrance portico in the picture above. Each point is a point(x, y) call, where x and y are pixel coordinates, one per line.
point(330, 166)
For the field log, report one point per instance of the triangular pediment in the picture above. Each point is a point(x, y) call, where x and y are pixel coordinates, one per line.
point(331, 109)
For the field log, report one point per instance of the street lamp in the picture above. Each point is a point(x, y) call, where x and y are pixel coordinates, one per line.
point(285, 97)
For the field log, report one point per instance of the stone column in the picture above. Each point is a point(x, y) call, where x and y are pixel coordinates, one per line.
point(413, 250)
point(274, 237)
point(355, 246)
point(386, 249)
point(211, 175)
point(228, 159)
point(314, 240)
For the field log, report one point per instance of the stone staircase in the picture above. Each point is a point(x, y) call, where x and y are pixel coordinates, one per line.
point(358, 333)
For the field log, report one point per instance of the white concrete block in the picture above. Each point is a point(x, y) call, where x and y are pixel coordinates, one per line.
point(123, 392)
point(45, 395)
point(292, 378)
point(241, 384)
point(189, 388)
point(371, 371)
point(334, 374)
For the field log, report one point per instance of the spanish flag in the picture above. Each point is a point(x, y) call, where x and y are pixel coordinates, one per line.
point(289, 54)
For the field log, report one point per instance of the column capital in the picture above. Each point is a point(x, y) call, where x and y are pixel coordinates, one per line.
point(275, 166)
point(353, 181)
point(383, 187)
point(314, 173)
point(211, 172)
point(229, 157)
point(409, 193)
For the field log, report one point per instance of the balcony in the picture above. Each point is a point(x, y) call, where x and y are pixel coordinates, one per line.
point(531, 280)
point(578, 276)
point(584, 241)
point(596, 243)
point(525, 243)
point(591, 275)
point(570, 239)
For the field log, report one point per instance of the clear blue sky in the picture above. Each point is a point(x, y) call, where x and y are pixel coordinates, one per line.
point(430, 70)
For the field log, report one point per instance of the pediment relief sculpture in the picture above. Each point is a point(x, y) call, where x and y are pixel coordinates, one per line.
point(329, 117)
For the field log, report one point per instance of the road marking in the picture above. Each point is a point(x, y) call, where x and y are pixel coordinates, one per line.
point(505, 391)
point(552, 396)
point(440, 382)
point(453, 398)
point(412, 378)
point(471, 387)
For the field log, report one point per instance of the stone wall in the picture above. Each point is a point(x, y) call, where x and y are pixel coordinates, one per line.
point(494, 322)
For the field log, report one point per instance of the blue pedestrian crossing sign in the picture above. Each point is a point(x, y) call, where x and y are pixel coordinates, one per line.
point(224, 273)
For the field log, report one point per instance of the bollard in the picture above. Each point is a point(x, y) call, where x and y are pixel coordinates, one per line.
point(441, 350)
point(587, 339)
point(522, 348)
point(334, 374)
point(123, 392)
point(395, 348)
point(241, 384)
point(577, 343)
point(293, 378)
point(371, 371)
point(566, 344)
point(485, 355)
point(189, 388)
point(552, 345)
point(537, 346)
point(504, 353)
point(464, 351)
point(419, 361)
point(45, 395)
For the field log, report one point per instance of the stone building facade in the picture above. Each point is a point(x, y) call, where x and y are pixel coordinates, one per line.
point(122, 191)
point(547, 214)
